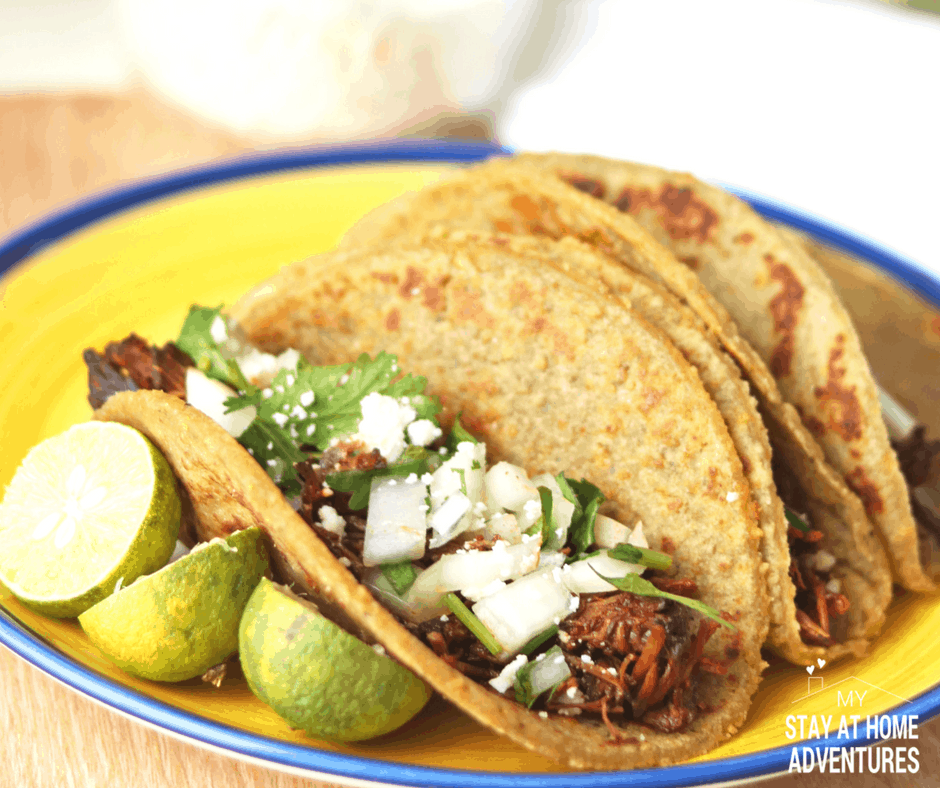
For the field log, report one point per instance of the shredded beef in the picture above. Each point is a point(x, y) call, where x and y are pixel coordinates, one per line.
point(642, 653)
point(131, 365)
point(346, 456)
point(816, 607)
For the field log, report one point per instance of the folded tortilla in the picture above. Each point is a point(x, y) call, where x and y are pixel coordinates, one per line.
point(508, 197)
point(553, 374)
point(787, 309)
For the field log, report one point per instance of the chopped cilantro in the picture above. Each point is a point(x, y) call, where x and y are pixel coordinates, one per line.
point(458, 435)
point(545, 495)
point(359, 483)
point(539, 639)
point(796, 521)
point(635, 584)
point(640, 555)
point(401, 576)
point(587, 499)
point(275, 451)
point(471, 622)
point(196, 339)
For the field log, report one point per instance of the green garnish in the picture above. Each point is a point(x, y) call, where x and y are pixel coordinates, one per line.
point(640, 555)
point(458, 434)
point(401, 576)
point(359, 483)
point(539, 639)
point(587, 499)
point(471, 622)
point(196, 339)
point(312, 405)
point(796, 521)
point(525, 692)
point(635, 584)
point(545, 495)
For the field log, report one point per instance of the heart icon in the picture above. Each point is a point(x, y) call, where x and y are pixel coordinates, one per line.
point(821, 663)
point(810, 669)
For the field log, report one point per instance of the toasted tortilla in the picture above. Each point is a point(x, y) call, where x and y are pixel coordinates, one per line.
point(787, 309)
point(553, 375)
point(505, 196)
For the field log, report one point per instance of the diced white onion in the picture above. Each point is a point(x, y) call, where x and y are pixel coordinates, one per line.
point(523, 609)
point(396, 526)
point(416, 608)
point(504, 525)
point(462, 473)
point(508, 487)
point(548, 670)
point(447, 518)
point(609, 533)
point(425, 598)
point(208, 395)
point(479, 568)
point(580, 578)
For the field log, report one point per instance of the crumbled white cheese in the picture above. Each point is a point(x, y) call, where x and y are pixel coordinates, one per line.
point(543, 715)
point(423, 431)
point(378, 649)
point(731, 497)
point(508, 674)
point(586, 659)
point(532, 509)
point(834, 586)
point(383, 424)
point(306, 399)
point(280, 418)
point(332, 521)
point(823, 561)
point(218, 331)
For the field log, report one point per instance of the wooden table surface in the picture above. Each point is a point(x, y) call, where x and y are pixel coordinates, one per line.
point(54, 148)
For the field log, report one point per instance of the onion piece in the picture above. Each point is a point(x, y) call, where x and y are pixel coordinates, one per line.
point(581, 577)
point(562, 511)
point(541, 674)
point(396, 525)
point(523, 609)
point(417, 607)
point(209, 395)
point(478, 568)
point(508, 487)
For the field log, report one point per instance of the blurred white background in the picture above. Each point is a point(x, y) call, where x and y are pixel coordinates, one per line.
point(829, 105)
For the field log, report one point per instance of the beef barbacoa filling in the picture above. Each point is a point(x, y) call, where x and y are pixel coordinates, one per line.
point(630, 656)
point(819, 601)
point(920, 464)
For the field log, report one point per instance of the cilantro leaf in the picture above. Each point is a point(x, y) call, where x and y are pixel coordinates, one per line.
point(796, 521)
point(458, 435)
point(635, 584)
point(275, 452)
point(640, 555)
point(401, 575)
point(196, 339)
point(587, 499)
point(359, 483)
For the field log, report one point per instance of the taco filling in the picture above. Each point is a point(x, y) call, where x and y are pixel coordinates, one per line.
point(520, 584)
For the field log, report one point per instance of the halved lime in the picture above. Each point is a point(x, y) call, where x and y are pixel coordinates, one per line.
point(317, 676)
point(87, 509)
point(179, 622)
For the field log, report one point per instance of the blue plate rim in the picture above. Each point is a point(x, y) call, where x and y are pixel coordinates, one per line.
point(24, 243)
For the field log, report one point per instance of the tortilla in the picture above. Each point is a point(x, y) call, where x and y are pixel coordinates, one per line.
point(787, 309)
point(552, 375)
point(505, 196)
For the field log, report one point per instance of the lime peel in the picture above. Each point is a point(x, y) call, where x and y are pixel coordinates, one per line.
point(87, 509)
point(317, 676)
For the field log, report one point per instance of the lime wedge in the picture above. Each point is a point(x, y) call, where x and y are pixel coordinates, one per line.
point(87, 509)
point(179, 622)
point(317, 676)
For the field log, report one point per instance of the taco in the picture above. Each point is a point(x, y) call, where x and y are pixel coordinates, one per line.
point(787, 309)
point(809, 619)
point(551, 375)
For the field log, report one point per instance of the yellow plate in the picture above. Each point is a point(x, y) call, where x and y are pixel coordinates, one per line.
point(139, 270)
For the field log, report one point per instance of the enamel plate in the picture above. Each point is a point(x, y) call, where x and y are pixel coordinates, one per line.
point(134, 259)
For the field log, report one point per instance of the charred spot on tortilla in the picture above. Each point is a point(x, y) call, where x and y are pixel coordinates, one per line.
point(681, 213)
point(590, 186)
point(866, 489)
point(785, 308)
point(839, 402)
